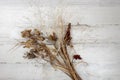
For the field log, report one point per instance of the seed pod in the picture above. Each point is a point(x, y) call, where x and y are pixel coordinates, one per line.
point(77, 57)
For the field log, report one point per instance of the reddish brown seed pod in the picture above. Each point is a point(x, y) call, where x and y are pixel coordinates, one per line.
point(77, 57)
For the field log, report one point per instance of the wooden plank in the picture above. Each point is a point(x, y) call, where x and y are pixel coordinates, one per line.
point(104, 34)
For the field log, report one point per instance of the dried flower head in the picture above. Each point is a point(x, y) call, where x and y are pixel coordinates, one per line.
point(26, 33)
point(77, 57)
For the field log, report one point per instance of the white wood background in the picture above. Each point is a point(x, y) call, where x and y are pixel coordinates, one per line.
point(96, 38)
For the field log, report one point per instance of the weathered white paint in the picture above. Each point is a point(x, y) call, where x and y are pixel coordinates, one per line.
point(98, 42)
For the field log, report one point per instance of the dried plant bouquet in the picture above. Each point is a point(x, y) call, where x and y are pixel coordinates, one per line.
point(58, 56)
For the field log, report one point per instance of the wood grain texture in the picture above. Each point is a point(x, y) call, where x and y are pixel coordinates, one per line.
point(95, 32)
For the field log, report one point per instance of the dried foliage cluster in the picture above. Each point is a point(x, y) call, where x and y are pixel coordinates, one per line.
point(58, 57)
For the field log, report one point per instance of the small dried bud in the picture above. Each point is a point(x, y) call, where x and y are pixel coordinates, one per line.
point(37, 32)
point(52, 37)
point(77, 57)
point(30, 55)
point(28, 43)
point(26, 33)
point(33, 51)
point(41, 38)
